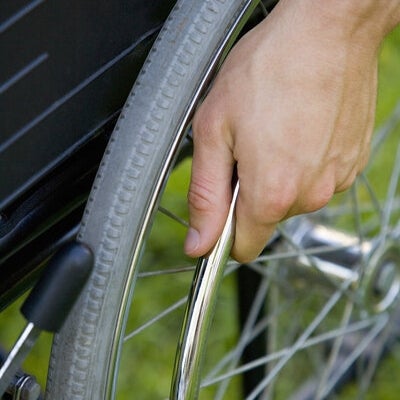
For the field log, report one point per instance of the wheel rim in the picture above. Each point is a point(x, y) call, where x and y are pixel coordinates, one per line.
point(372, 226)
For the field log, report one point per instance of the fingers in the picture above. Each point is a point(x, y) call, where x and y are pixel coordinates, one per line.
point(210, 187)
point(250, 237)
point(265, 198)
point(270, 196)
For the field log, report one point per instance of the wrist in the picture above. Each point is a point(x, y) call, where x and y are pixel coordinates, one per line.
point(363, 24)
point(366, 21)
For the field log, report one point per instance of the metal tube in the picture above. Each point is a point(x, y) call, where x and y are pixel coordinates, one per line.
point(200, 311)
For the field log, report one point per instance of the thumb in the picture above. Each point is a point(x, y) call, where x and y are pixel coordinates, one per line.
point(209, 192)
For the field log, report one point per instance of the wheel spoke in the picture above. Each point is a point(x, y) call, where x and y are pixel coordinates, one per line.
point(173, 216)
point(298, 344)
point(384, 131)
point(389, 205)
point(278, 355)
point(246, 335)
point(366, 340)
point(334, 354)
point(180, 303)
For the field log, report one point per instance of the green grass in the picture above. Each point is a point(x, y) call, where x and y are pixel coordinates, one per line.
point(389, 76)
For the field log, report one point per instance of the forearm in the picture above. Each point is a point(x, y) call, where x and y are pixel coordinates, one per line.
point(364, 22)
point(372, 18)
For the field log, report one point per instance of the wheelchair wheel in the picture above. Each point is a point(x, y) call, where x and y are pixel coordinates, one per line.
point(325, 288)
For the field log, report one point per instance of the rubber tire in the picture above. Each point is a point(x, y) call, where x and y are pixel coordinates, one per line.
point(125, 192)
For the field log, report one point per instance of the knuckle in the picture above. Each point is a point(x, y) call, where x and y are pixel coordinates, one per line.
point(206, 124)
point(347, 183)
point(319, 196)
point(275, 205)
point(349, 179)
point(363, 161)
point(283, 201)
point(243, 257)
point(201, 199)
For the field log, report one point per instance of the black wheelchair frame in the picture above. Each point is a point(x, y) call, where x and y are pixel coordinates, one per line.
point(66, 70)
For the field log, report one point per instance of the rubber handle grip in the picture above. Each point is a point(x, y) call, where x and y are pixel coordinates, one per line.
point(54, 295)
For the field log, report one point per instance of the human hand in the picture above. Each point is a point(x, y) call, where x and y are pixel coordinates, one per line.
point(293, 108)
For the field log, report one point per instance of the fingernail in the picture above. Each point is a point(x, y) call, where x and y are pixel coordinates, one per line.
point(192, 241)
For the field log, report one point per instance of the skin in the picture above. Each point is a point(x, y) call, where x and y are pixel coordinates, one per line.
point(293, 109)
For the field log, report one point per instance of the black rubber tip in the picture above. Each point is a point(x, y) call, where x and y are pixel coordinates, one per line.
point(54, 295)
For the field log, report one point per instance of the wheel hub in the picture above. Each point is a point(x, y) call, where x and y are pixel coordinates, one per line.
point(372, 269)
point(381, 283)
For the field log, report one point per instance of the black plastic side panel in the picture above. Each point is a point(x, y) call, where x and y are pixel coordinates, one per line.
point(66, 67)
